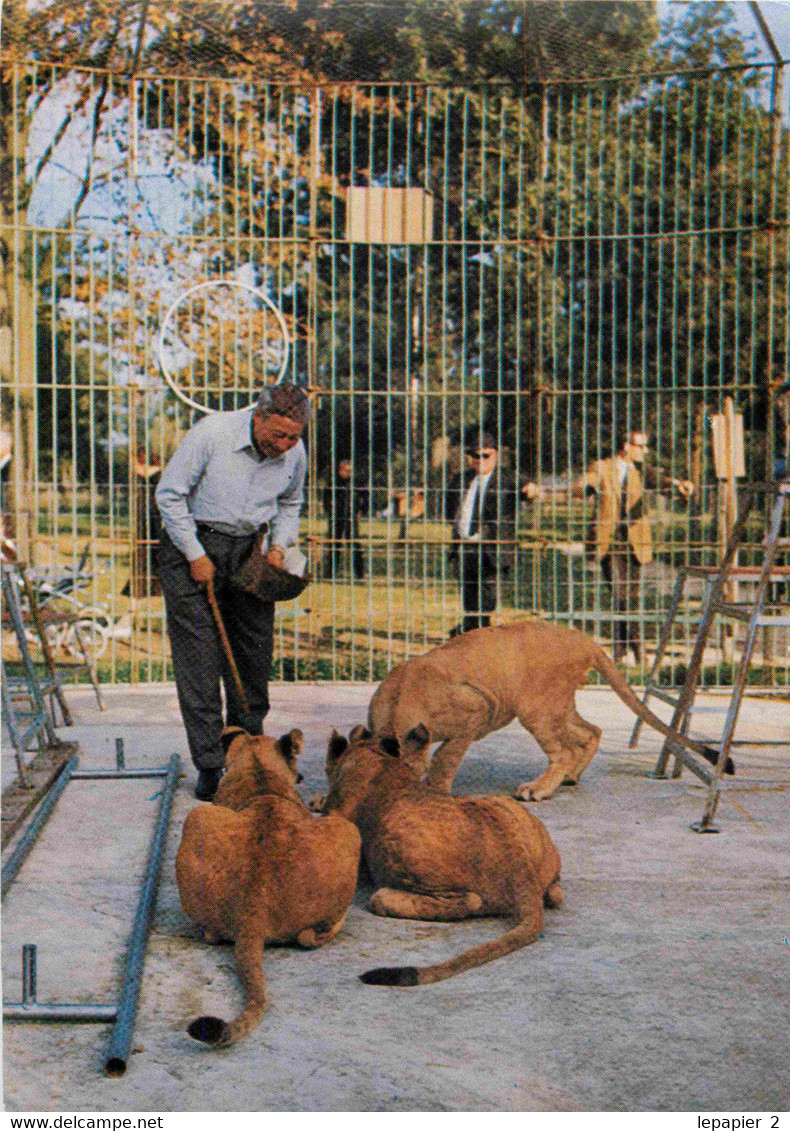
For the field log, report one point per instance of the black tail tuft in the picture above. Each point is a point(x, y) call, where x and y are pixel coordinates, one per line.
point(390, 976)
point(713, 757)
point(209, 1030)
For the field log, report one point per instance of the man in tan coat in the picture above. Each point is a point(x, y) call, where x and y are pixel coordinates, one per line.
point(621, 540)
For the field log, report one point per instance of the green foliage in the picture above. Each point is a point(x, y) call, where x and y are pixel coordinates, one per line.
point(602, 252)
point(702, 35)
point(457, 41)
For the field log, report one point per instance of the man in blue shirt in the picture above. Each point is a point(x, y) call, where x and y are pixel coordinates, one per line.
point(233, 473)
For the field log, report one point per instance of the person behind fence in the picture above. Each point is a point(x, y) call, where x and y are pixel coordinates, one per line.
point(621, 539)
point(407, 506)
point(233, 473)
point(344, 502)
point(482, 503)
point(7, 545)
point(143, 579)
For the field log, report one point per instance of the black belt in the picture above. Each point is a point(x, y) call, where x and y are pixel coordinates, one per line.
point(223, 533)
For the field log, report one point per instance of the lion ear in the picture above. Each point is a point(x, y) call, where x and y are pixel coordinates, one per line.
point(337, 747)
point(229, 735)
point(290, 746)
point(390, 746)
point(416, 741)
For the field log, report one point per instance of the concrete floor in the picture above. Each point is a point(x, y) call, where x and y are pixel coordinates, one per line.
point(660, 985)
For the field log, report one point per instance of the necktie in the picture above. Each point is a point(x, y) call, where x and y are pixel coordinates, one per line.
point(474, 520)
point(624, 499)
point(622, 524)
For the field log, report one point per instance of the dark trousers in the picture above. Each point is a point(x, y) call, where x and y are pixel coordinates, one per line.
point(199, 661)
point(621, 570)
point(339, 551)
point(477, 572)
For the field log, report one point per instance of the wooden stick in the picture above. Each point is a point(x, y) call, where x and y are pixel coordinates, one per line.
point(234, 671)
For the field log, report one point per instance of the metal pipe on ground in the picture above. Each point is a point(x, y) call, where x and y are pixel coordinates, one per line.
point(125, 1012)
point(32, 832)
point(120, 1042)
point(112, 775)
point(29, 1009)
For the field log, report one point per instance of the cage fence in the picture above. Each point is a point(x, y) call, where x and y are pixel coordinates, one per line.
point(540, 270)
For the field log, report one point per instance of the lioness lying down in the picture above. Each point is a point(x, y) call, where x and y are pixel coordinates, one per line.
point(482, 680)
point(437, 857)
point(257, 868)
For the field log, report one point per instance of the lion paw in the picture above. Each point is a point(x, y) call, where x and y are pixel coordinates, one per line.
point(526, 792)
point(553, 896)
point(379, 905)
point(213, 939)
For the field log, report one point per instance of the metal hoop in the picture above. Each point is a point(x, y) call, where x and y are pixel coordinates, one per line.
point(204, 286)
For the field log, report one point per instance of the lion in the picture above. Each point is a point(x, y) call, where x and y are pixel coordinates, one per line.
point(256, 867)
point(432, 856)
point(479, 682)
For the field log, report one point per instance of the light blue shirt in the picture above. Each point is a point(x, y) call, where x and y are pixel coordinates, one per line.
point(216, 476)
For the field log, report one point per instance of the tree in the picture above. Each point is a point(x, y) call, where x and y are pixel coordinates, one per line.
point(528, 179)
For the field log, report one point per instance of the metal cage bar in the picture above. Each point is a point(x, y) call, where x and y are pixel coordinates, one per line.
point(602, 255)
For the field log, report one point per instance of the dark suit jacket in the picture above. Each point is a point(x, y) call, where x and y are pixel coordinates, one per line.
point(603, 478)
point(337, 504)
point(498, 518)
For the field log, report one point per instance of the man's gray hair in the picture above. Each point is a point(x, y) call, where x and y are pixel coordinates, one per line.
point(285, 400)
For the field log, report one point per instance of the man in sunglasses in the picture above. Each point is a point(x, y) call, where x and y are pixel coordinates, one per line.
point(482, 503)
point(621, 539)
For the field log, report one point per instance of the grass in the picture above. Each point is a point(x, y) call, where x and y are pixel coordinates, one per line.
point(409, 599)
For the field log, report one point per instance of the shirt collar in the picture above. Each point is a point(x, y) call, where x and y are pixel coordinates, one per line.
point(244, 432)
point(480, 480)
point(244, 437)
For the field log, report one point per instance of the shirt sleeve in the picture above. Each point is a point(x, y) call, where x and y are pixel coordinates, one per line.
point(285, 524)
point(656, 478)
point(178, 479)
point(589, 481)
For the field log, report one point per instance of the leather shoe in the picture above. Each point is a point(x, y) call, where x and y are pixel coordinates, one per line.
point(208, 780)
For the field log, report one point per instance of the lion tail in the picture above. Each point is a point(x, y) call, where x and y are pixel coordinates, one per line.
point(249, 961)
point(527, 931)
point(622, 688)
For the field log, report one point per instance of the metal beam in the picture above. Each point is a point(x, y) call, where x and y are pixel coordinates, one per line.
point(124, 1013)
point(766, 32)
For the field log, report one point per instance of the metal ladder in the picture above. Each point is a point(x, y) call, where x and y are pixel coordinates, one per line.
point(39, 621)
point(24, 708)
point(755, 613)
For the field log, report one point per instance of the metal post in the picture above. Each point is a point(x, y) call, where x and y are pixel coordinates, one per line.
point(29, 974)
point(28, 1009)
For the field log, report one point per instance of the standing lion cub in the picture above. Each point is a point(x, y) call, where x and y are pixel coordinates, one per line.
point(481, 681)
